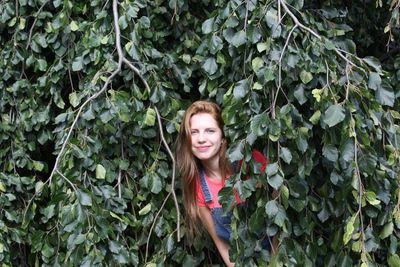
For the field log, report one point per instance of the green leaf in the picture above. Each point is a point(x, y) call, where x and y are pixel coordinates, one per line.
point(170, 244)
point(47, 251)
point(262, 47)
point(286, 155)
point(371, 198)
point(334, 115)
point(239, 38)
point(335, 178)
point(394, 260)
point(329, 44)
point(150, 117)
point(256, 221)
point(272, 17)
point(48, 213)
point(227, 198)
point(373, 62)
point(271, 208)
point(84, 198)
point(386, 231)
point(216, 44)
point(257, 86)
point(100, 172)
point(42, 64)
point(73, 99)
point(123, 23)
point(73, 26)
point(349, 229)
point(385, 95)
point(315, 117)
point(330, 152)
point(374, 81)
point(257, 63)
point(280, 217)
point(305, 76)
point(275, 181)
point(38, 165)
point(77, 65)
point(207, 26)
point(235, 152)
point(89, 115)
point(210, 66)
point(272, 169)
point(2, 187)
point(347, 151)
point(244, 188)
point(258, 124)
point(156, 185)
point(299, 94)
point(146, 209)
point(241, 88)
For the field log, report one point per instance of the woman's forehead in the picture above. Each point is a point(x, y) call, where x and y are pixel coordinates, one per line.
point(203, 120)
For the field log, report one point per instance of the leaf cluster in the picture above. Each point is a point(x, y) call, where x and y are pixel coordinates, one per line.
point(297, 84)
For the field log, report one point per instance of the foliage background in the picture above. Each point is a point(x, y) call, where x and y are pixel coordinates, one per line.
point(313, 84)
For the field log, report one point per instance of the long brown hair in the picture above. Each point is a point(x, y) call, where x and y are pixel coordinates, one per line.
point(189, 165)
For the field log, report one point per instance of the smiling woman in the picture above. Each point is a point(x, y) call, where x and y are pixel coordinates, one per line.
point(206, 137)
point(201, 156)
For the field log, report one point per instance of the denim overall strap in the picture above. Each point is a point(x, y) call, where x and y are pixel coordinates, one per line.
point(204, 186)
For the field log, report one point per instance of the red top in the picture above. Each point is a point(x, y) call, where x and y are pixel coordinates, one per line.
point(214, 186)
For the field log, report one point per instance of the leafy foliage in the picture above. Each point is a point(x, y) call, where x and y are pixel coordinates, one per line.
point(290, 82)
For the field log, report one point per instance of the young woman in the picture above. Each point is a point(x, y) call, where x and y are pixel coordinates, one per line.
point(201, 157)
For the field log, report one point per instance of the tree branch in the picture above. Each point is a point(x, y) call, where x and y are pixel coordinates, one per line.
point(171, 155)
point(60, 154)
point(123, 59)
point(33, 24)
point(298, 23)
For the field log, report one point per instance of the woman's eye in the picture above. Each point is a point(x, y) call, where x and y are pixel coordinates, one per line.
point(211, 130)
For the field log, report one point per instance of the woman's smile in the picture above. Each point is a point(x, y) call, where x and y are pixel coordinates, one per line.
point(206, 137)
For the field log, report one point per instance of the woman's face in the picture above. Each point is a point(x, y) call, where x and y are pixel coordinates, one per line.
point(206, 137)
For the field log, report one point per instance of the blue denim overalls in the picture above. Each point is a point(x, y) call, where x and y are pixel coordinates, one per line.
point(222, 222)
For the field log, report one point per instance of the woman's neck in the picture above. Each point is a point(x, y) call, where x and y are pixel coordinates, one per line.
point(212, 169)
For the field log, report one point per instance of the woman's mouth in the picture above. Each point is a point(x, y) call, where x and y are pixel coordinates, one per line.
point(202, 148)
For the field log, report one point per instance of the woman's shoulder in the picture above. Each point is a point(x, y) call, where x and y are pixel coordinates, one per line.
point(256, 156)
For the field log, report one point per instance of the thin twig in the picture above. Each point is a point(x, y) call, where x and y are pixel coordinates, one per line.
point(16, 8)
point(123, 59)
point(109, 79)
point(120, 171)
point(60, 154)
point(282, 53)
point(37, 191)
point(69, 181)
point(137, 72)
point(246, 16)
point(33, 24)
point(360, 185)
point(171, 155)
point(70, 80)
point(154, 223)
point(279, 11)
point(280, 70)
point(297, 22)
point(348, 81)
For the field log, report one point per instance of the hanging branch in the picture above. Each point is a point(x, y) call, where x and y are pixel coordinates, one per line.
point(33, 24)
point(319, 37)
point(60, 154)
point(360, 184)
point(122, 59)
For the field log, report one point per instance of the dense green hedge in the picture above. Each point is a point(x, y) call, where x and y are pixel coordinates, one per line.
point(313, 84)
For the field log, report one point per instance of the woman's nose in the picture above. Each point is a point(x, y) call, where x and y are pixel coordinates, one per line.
point(201, 137)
